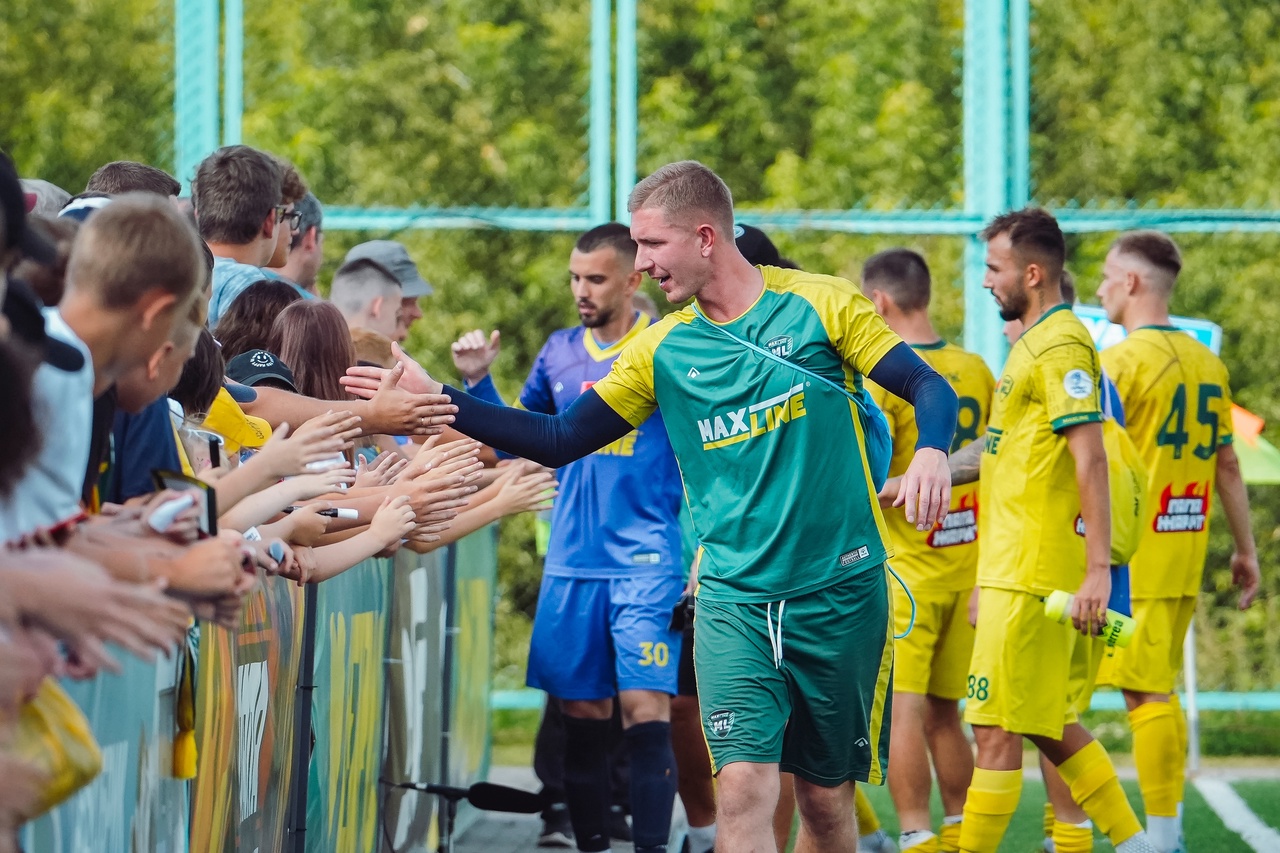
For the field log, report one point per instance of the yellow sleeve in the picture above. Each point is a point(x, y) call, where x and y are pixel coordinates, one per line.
point(1069, 375)
point(857, 332)
point(628, 388)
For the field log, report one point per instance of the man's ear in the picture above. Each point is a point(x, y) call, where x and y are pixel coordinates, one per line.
point(156, 306)
point(311, 238)
point(1132, 282)
point(707, 238)
point(157, 358)
point(633, 282)
point(375, 307)
point(269, 225)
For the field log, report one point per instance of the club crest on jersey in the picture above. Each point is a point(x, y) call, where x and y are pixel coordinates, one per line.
point(1184, 513)
point(721, 722)
point(1078, 384)
point(754, 420)
point(960, 527)
point(781, 346)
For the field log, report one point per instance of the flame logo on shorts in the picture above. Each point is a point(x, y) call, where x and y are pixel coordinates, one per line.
point(1184, 513)
point(960, 527)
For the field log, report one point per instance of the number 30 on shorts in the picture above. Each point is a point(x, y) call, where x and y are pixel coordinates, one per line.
point(979, 688)
point(654, 654)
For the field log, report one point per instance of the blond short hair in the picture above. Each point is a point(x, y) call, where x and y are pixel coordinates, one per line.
point(137, 243)
point(683, 190)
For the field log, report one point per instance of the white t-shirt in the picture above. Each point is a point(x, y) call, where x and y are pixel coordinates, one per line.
point(49, 492)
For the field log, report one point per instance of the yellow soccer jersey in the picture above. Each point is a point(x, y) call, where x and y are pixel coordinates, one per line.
point(1028, 493)
point(1177, 406)
point(944, 559)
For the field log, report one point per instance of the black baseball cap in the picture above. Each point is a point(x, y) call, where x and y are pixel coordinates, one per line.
point(257, 366)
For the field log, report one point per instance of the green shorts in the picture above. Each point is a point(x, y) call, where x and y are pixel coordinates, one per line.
point(805, 683)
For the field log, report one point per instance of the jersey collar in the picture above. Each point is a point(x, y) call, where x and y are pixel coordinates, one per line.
point(600, 353)
point(1054, 310)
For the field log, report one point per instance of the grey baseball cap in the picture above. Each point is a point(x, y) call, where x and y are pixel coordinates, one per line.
point(392, 258)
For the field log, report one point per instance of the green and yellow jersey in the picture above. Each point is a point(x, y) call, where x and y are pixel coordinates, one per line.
point(1028, 493)
point(1177, 405)
point(773, 463)
point(944, 559)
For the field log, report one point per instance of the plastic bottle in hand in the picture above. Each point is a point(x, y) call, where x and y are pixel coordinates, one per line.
point(1117, 631)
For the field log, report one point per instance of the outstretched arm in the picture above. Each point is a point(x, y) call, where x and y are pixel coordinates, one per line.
point(551, 440)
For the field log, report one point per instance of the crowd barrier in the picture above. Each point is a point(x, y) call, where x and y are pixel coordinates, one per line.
point(398, 692)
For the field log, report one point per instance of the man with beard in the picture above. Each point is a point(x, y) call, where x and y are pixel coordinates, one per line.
point(1043, 467)
point(613, 569)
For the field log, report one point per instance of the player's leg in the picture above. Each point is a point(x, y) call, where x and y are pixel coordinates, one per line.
point(1070, 831)
point(1017, 684)
point(784, 814)
point(693, 761)
point(745, 705)
point(748, 795)
point(1091, 778)
point(836, 648)
point(548, 766)
point(953, 765)
point(1146, 671)
point(826, 818)
point(571, 657)
point(910, 780)
point(948, 681)
point(648, 658)
point(871, 835)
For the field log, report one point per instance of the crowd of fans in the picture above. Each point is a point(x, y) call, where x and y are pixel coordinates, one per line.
point(176, 429)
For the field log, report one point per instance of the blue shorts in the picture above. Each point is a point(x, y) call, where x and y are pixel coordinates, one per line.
point(592, 638)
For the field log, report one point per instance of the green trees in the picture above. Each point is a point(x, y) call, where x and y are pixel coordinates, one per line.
point(798, 103)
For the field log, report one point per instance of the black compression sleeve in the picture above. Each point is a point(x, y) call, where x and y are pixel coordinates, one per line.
point(551, 440)
point(904, 373)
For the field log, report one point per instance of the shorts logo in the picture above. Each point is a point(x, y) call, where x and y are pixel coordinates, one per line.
point(850, 557)
point(721, 722)
point(1184, 513)
point(693, 373)
point(863, 742)
point(780, 346)
point(1078, 384)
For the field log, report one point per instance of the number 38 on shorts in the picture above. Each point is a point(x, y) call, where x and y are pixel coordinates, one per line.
point(979, 688)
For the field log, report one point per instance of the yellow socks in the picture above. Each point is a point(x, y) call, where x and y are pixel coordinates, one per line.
point(1158, 755)
point(868, 821)
point(1069, 838)
point(949, 835)
point(991, 802)
point(1048, 820)
point(1094, 785)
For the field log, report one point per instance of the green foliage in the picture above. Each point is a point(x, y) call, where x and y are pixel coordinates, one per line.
point(798, 103)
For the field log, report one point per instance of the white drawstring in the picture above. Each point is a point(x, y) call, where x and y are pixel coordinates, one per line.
point(775, 641)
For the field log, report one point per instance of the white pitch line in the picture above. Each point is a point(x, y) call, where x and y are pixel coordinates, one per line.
point(1237, 815)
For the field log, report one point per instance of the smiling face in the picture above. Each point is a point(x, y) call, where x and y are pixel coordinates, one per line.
point(1005, 278)
point(602, 285)
point(673, 255)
